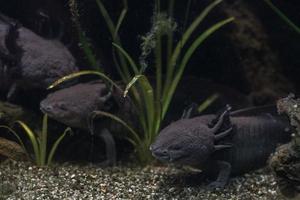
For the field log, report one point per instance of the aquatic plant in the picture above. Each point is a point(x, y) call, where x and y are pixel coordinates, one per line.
point(84, 43)
point(151, 103)
point(283, 16)
point(119, 60)
point(39, 142)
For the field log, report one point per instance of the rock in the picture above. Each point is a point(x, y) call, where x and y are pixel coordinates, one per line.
point(12, 150)
point(285, 163)
point(257, 58)
point(9, 113)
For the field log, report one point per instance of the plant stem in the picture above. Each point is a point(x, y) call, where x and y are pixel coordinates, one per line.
point(158, 65)
point(187, 57)
point(55, 145)
point(283, 16)
point(182, 42)
point(33, 139)
point(121, 18)
point(43, 141)
point(124, 72)
point(157, 6)
point(170, 39)
point(85, 45)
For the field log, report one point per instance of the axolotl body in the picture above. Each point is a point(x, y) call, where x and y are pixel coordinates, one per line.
point(229, 144)
point(75, 105)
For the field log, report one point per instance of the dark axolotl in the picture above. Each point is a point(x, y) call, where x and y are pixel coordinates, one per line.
point(229, 144)
point(28, 61)
point(74, 106)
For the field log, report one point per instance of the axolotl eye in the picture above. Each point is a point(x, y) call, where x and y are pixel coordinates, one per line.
point(175, 147)
point(62, 106)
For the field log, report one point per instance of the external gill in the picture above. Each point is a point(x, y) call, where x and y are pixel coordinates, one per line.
point(220, 134)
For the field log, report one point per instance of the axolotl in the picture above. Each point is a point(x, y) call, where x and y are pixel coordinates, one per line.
point(75, 105)
point(223, 145)
point(28, 61)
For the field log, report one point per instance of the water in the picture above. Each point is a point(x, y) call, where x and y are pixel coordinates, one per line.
point(167, 56)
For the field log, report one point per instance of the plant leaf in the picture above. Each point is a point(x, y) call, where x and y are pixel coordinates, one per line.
point(187, 34)
point(108, 20)
point(127, 56)
point(43, 140)
point(201, 38)
point(148, 98)
point(130, 84)
point(121, 18)
point(134, 135)
point(88, 51)
point(84, 42)
point(18, 138)
point(283, 16)
point(116, 39)
point(207, 102)
point(33, 140)
point(55, 145)
point(81, 73)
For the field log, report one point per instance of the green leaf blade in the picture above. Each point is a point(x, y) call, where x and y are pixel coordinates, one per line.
point(133, 133)
point(128, 57)
point(200, 39)
point(82, 73)
point(55, 145)
point(187, 34)
point(43, 142)
point(33, 140)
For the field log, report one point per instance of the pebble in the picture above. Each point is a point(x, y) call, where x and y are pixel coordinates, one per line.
point(22, 180)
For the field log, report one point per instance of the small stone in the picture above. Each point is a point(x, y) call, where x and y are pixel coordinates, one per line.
point(125, 183)
point(172, 189)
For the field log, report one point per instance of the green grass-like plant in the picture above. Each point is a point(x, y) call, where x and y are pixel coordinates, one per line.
point(283, 16)
point(84, 42)
point(39, 142)
point(151, 102)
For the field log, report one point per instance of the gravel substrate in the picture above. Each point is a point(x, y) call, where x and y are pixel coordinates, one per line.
point(19, 180)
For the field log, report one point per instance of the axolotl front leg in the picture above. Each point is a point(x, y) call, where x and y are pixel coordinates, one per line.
point(222, 168)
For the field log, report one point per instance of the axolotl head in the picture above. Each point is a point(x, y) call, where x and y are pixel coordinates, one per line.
point(73, 106)
point(185, 142)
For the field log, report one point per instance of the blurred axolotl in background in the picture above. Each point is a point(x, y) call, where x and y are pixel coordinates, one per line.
point(28, 61)
point(222, 145)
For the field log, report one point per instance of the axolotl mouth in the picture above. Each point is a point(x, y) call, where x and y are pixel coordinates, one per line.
point(61, 113)
point(46, 108)
point(166, 155)
point(162, 155)
point(53, 110)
